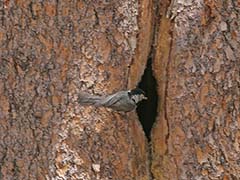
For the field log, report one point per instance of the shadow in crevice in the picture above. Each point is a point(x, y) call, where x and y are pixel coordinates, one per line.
point(147, 110)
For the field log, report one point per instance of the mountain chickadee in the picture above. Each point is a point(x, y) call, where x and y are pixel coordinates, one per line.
point(121, 101)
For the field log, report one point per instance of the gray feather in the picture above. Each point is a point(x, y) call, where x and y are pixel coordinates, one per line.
point(86, 99)
point(119, 101)
point(111, 100)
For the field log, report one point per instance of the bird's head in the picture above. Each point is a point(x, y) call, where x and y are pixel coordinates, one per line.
point(137, 95)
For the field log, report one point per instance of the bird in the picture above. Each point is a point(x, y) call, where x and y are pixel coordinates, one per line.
point(125, 101)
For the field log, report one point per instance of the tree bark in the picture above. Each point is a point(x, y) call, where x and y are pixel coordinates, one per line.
point(50, 52)
point(196, 63)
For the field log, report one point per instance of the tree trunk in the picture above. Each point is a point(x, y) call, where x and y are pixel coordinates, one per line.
point(53, 50)
point(196, 63)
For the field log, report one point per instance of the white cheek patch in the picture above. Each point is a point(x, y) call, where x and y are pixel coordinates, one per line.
point(136, 98)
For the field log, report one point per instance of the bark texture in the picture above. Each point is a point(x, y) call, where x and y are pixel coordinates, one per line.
point(197, 66)
point(50, 51)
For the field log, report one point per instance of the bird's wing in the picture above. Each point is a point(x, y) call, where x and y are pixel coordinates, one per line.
point(88, 99)
point(112, 99)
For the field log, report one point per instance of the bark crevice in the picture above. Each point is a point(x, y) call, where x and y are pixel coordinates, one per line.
point(147, 110)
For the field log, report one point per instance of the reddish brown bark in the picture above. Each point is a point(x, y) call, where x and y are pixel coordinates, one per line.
point(50, 51)
point(196, 135)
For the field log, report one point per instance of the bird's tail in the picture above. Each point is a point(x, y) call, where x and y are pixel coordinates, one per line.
point(86, 99)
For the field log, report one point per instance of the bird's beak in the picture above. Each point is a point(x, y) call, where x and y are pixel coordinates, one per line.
point(145, 98)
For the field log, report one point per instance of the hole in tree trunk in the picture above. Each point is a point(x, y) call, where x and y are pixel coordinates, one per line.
point(147, 110)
